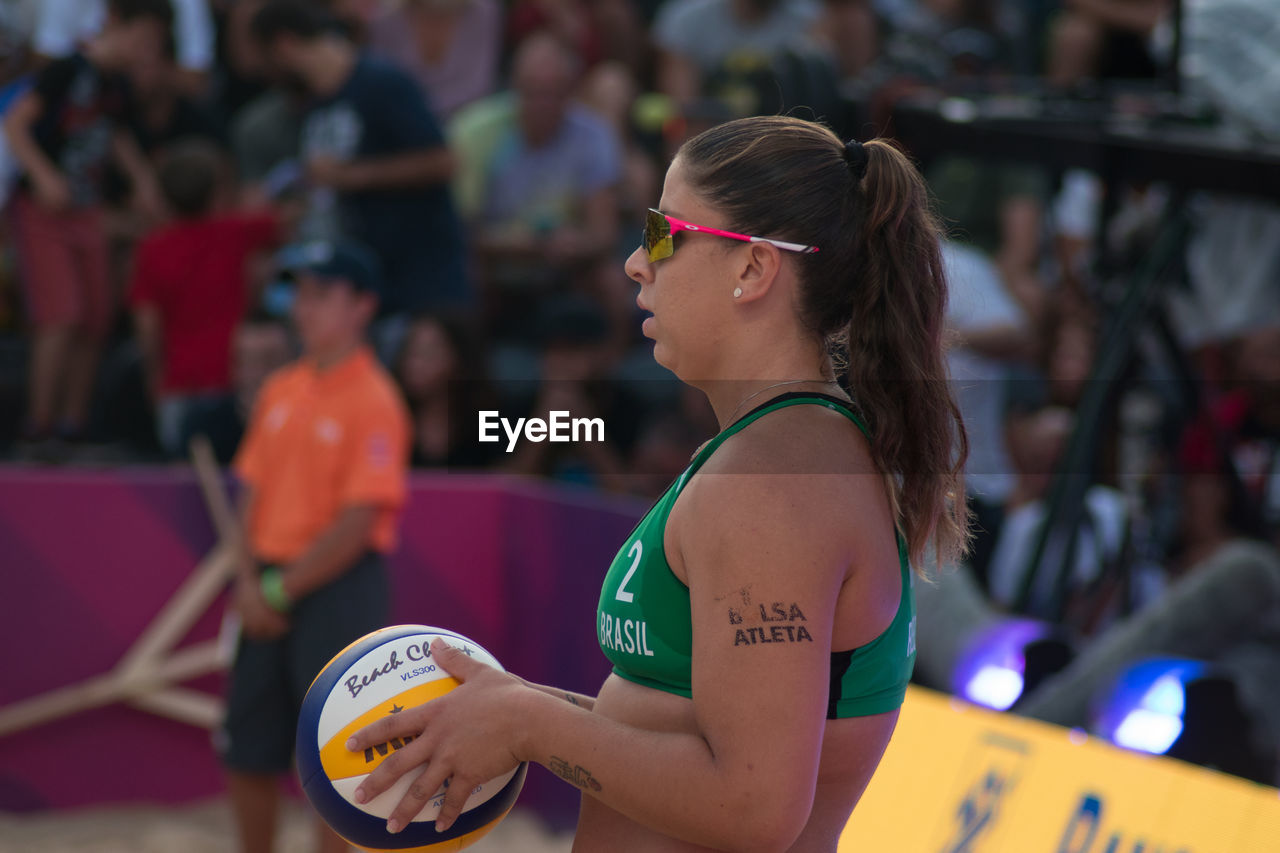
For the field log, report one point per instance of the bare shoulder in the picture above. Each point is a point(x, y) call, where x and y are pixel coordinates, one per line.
point(802, 473)
point(811, 449)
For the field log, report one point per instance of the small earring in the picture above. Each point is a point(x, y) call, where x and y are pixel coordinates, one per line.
point(737, 292)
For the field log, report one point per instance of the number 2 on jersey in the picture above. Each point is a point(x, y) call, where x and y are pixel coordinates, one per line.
point(635, 551)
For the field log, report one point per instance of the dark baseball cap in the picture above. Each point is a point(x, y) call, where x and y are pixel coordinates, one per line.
point(332, 260)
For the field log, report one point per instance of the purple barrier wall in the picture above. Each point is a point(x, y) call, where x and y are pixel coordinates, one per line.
point(87, 560)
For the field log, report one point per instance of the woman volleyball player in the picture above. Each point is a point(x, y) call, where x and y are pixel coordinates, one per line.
point(760, 618)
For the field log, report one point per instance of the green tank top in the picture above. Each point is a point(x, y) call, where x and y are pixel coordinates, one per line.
point(645, 629)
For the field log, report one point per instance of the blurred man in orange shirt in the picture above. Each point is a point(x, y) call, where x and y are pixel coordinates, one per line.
point(323, 467)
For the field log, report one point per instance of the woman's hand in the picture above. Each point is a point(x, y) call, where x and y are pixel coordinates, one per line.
point(464, 738)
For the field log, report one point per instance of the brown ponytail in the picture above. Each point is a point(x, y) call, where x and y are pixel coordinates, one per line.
point(875, 290)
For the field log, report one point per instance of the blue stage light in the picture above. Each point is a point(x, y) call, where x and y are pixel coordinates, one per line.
point(1143, 708)
point(992, 670)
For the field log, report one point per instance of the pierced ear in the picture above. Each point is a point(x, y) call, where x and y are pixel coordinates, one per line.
point(759, 272)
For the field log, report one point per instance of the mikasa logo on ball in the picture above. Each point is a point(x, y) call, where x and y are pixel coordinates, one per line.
point(380, 750)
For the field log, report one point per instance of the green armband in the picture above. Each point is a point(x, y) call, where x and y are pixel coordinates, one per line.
point(272, 585)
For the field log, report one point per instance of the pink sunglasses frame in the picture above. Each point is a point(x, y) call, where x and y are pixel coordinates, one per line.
point(678, 225)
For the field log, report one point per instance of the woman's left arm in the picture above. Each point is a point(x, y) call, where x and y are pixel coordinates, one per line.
point(763, 574)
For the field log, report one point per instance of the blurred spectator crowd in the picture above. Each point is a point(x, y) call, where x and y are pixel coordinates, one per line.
point(159, 158)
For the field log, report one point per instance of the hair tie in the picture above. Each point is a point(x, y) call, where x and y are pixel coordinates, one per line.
point(856, 156)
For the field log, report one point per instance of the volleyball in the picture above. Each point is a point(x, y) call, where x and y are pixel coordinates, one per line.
point(383, 673)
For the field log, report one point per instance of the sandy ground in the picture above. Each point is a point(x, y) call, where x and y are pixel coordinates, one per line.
point(207, 828)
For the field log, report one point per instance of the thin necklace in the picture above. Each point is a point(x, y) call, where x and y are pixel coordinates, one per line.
point(777, 385)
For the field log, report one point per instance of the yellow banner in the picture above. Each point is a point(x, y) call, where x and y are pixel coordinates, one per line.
point(961, 779)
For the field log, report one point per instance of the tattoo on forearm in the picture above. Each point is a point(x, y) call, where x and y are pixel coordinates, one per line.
point(571, 699)
point(574, 774)
point(787, 632)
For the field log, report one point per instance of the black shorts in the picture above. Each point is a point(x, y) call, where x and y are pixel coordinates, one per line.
point(270, 678)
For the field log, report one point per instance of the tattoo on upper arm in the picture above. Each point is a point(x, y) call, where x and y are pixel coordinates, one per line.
point(782, 624)
point(571, 699)
point(574, 774)
point(743, 592)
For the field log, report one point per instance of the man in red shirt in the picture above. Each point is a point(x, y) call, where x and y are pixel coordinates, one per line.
point(191, 288)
